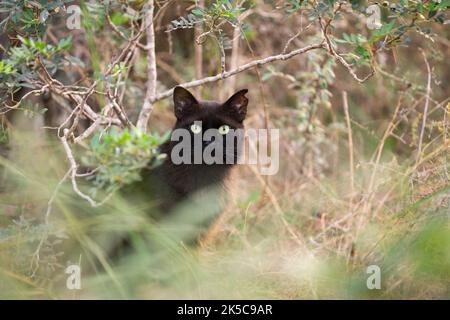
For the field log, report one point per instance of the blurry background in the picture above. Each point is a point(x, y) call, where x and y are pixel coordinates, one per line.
point(364, 165)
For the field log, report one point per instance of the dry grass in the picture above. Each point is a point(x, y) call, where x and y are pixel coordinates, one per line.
point(299, 234)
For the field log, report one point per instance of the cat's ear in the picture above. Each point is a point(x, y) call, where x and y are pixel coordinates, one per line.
point(184, 102)
point(236, 105)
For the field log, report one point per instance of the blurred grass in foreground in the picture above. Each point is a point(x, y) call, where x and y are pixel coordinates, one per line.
point(254, 255)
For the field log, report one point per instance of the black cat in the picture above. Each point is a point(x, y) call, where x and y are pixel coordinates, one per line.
point(193, 194)
point(176, 201)
point(193, 115)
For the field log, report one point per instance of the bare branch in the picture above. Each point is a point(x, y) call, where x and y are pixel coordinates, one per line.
point(425, 110)
point(170, 70)
point(335, 54)
point(32, 92)
point(234, 61)
point(147, 107)
point(73, 169)
point(74, 174)
point(198, 47)
point(35, 259)
point(222, 52)
point(298, 34)
point(350, 144)
point(91, 129)
point(239, 69)
point(379, 150)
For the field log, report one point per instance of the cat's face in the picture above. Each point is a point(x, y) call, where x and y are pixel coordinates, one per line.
point(198, 117)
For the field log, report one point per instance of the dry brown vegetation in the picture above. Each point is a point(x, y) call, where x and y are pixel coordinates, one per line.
point(364, 156)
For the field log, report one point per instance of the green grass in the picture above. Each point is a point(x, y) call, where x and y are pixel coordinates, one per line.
point(402, 228)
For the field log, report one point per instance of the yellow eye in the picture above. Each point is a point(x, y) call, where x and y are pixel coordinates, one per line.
point(224, 129)
point(195, 128)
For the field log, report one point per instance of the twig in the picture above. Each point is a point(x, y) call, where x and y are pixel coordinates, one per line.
point(350, 143)
point(73, 173)
point(239, 69)
point(147, 107)
point(379, 151)
point(35, 92)
point(170, 70)
point(295, 36)
point(276, 205)
point(120, 113)
point(234, 61)
point(335, 54)
point(73, 169)
point(425, 110)
point(35, 259)
point(222, 52)
point(262, 92)
point(402, 32)
point(198, 47)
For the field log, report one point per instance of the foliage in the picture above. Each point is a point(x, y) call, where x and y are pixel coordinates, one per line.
point(308, 232)
point(119, 157)
point(30, 17)
point(312, 92)
point(213, 20)
point(18, 70)
point(212, 17)
point(396, 20)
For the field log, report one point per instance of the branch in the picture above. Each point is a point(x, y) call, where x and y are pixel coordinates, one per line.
point(147, 107)
point(425, 110)
point(350, 145)
point(295, 36)
point(15, 106)
point(240, 69)
point(35, 259)
point(73, 169)
point(234, 61)
point(73, 173)
point(198, 47)
point(335, 54)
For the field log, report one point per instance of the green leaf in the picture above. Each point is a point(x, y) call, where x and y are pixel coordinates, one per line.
point(198, 12)
point(118, 18)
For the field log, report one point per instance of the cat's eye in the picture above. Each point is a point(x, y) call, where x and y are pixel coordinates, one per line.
point(195, 128)
point(224, 129)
